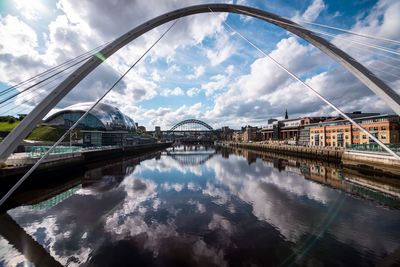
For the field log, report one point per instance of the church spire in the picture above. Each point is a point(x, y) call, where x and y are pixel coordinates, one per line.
point(286, 115)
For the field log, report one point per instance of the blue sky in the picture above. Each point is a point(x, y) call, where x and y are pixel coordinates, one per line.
point(200, 69)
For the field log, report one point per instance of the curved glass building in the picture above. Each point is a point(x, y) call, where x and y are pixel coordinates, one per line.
point(103, 118)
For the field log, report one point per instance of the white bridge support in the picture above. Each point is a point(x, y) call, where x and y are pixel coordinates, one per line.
point(11, 142)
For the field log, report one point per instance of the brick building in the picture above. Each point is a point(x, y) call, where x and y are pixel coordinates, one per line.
point(341, 133)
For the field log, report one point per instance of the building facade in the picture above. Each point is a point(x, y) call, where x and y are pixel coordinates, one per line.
point(290, 130)
point(341, 133)
point(104, 125)
point(247, 134)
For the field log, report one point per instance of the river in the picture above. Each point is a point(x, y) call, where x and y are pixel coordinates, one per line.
point(202, 206)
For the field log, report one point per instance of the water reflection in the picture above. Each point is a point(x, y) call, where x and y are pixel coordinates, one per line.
point(198, 206)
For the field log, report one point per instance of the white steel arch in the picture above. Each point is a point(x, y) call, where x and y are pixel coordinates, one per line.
point(387, 94)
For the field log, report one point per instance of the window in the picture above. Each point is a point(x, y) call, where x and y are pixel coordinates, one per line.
point(383, 128)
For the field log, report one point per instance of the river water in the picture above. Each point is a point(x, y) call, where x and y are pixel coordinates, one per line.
point(198, 206)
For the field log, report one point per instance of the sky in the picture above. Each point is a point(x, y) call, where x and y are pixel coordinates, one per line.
point(200, 69)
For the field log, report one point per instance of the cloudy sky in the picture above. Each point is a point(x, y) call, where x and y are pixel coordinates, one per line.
point(200, 69)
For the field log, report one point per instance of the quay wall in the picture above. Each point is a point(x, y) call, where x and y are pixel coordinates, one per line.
point(330, 155)
point(380, 163)
point(75, 161)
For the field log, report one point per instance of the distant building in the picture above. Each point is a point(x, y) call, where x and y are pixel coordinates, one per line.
point(104, 125)
point(141, 129)
point(341, 133)
point(226, 133)
point(157, 132)
point(237, 136)
point(102, 117)
point(247, 134)
point(359, 114)
point(289, 130)
point(250, 134)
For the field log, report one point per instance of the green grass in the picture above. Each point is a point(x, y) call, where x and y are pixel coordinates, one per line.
point(40, 133)
point(7, 127)
point(46, 133)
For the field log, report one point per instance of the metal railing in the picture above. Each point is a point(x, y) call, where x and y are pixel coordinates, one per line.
point(39, 151)
point(373, 147)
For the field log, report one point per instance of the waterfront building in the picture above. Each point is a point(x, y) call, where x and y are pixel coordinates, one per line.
point(104, 138)
point(102, 117)
point(104, 125)
point(247, 134)
point(226, 133)
point(290, 130)
point(251, 134)
point(237, 136)
point(157, 132)
point(341, 133)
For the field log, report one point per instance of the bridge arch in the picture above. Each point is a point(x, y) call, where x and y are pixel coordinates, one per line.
point(191, 121)
point(11, 142)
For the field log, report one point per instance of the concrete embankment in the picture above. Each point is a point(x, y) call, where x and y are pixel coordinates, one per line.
point(330, 155)
point(72, 161)
point(377, 163)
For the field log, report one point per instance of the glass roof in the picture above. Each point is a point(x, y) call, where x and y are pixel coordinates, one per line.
point(109, 115)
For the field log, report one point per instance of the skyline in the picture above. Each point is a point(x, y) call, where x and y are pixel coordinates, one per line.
point(199, 69)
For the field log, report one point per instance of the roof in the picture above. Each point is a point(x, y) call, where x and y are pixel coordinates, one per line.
point(109, 115)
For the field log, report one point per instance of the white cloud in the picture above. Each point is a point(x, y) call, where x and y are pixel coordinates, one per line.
point(218, 82)
point(156, 76)
point(167, 117)
point(198, 71)
point(312, 12)
point(221, 51)
point(177, 91)
point(31, 10)
point(264, 80)
point(17, 38)
point(193, 91)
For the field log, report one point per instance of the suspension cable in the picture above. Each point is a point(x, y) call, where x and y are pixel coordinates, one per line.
point(91, 52)
point(314, 91)
point(32, 94)
point(28, 173)
point(382, 48)
point(349, 31)
point(42, 81)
